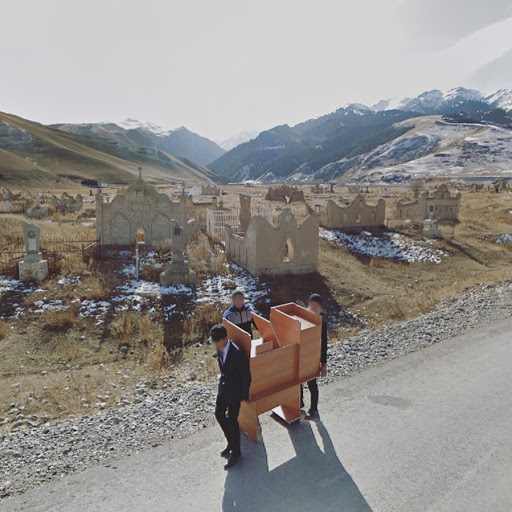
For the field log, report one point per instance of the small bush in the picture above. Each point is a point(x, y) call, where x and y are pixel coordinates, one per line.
point(4, 329)
point(145, 329)
point(123, 328)
point(59, 320)
point(157, 356)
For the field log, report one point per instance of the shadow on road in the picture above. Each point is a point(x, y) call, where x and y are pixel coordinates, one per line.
point(314, 479)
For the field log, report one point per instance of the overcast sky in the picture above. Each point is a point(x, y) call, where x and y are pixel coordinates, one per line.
point(221, 66)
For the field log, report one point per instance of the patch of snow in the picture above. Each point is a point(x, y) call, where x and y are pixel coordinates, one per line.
point(387, 245)
point(504, 239)
point(69, 280)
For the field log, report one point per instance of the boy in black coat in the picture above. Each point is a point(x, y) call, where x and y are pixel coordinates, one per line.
point(234, 383)
point(315, 304)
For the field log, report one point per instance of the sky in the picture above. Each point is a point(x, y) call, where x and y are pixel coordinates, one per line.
point(219, 67)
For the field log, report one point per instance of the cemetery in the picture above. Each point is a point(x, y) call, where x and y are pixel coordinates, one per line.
point(132, 281)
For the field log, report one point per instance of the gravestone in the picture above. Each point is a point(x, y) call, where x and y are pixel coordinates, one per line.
point(33, 267)
point(245, 213)
point(178, 271)
point(431, 228)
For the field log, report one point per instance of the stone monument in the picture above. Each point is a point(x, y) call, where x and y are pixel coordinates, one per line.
point(178, 271)
point(245, 213)
point(431, 228)
point(33, 267)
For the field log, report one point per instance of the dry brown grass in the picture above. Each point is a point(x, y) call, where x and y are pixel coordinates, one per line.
point(123, 328)
point(4, 329)
point(157, 356)
point(145, 329)
point(59, 321)
point(197, 326)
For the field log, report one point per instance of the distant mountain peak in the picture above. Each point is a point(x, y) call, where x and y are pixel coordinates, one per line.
point(237, 138)
point(134, 124)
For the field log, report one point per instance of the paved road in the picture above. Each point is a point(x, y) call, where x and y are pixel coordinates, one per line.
point(431, 431)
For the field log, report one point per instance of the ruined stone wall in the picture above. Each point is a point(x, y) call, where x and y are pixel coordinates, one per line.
point(286, 248)
point(210, 190)
point(282, 193)
point(139, 206)
point(357, 215)
point(445, 206)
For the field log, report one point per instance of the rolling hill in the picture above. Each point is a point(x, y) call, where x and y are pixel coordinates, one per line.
point(31, 151)
point(431, 146)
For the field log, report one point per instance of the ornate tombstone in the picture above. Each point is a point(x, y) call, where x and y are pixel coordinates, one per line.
point(33, 267)
point(178, 271)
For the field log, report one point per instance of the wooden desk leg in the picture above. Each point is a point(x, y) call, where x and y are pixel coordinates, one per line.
point(290, 411)
point(248, 420)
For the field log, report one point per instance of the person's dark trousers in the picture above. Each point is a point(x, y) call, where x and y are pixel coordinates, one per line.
point(313, 390)
point(227, 416)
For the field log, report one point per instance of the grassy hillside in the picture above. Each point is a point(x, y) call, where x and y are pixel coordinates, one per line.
point(49, 152)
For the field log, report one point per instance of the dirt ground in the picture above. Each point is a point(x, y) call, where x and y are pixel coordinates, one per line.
point(83, 340)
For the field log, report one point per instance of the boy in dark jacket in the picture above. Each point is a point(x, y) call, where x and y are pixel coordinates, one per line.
point(315, 304)
point(240, 313)
point(234, 383)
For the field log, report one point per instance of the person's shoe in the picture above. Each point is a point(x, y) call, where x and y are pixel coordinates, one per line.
point(312, 414)
point(233, 459)
point(225, 453)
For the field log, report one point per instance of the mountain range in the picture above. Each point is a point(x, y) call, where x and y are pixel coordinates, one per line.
point(461, 132)
point(343, 144)
point(131, 133)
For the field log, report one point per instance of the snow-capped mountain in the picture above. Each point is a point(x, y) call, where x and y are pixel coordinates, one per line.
point(237, 139)
point(434, 100)
point(134, 124)
point(501, 99)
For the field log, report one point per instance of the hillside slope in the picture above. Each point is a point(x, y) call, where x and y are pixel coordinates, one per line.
point(55, 153)
point(432, 146)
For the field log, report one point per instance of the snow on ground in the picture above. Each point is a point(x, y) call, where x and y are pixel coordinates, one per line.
point(220, 288)
point(504, 239)
point(8, 284)
point(387, 245)
point(69, 280)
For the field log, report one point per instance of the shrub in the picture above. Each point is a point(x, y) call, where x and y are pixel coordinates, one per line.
point(4, 329)
point(60, 320)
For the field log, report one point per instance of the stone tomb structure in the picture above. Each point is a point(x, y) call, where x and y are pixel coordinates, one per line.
point(357, 214)
point(285, 193)
point(38, 211)
point(210, 190)
point(219, 217)
point(139, 212)
point(286, 248)
point(178, 271)
point(441, 205)
point(32, 267)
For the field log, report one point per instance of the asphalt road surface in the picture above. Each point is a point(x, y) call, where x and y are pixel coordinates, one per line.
point(431, 431)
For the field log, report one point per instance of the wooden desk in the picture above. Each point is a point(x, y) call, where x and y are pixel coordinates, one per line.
point(287, 355)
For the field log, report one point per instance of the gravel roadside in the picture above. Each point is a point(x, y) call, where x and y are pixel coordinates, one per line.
point(30, 457)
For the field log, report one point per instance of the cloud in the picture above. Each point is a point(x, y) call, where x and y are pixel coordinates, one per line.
point(494, 75)
point(440, 22)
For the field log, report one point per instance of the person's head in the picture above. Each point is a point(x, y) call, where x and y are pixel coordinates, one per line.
point(219, 336)
point(315, 303)
point(238, 299)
